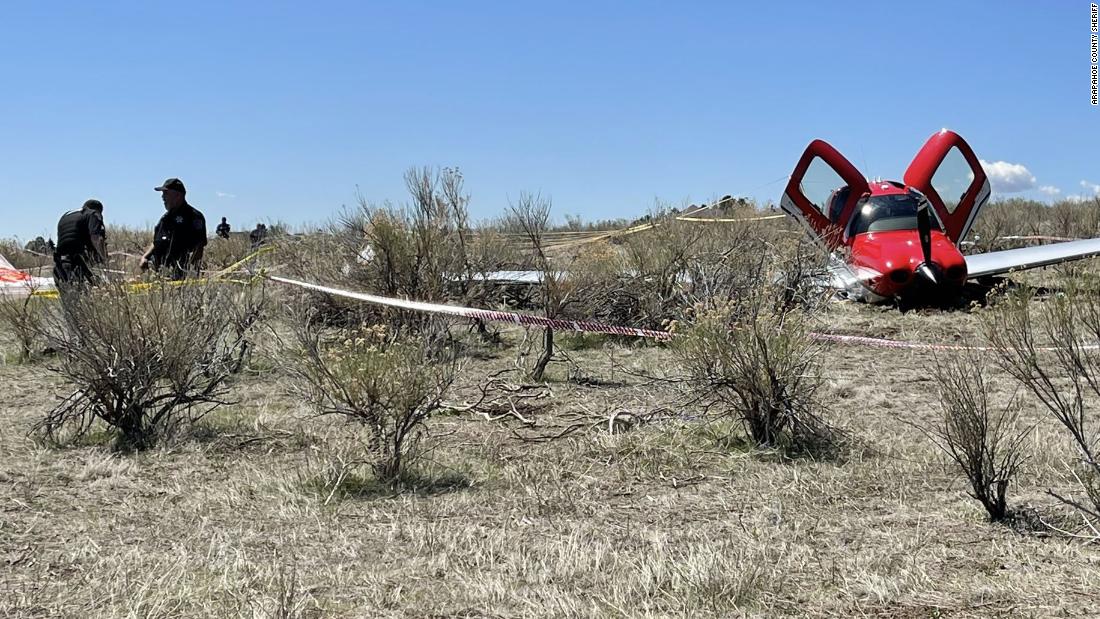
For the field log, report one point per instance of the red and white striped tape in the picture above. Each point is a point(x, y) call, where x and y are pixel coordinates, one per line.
point(589, 326)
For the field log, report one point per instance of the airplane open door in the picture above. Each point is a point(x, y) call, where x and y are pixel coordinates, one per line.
point(823, 191)
point(950, 175)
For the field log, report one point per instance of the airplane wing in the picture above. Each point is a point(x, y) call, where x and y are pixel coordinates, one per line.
point(26, 287)
point(996, 262)
point(510, 277)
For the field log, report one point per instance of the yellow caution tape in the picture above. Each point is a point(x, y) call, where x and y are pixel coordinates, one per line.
point(238, 264)
point(217, 277)
point(729, 220)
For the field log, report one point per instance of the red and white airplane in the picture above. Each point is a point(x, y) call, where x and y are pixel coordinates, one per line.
point(901, 240)
point(18, 283)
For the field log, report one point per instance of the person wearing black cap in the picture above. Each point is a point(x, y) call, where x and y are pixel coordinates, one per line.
point(180, 236)
point(223, 229)
point(81, 243)
point(257, 236)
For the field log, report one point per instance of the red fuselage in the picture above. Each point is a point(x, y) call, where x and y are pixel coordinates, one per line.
point(887, 254)
point(895, 256)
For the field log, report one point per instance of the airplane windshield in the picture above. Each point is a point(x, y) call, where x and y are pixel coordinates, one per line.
point(886, 213)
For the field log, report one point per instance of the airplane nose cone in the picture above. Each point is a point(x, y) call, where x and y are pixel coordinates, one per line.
point(936, 273)
point(928, 272)
point(899, 268)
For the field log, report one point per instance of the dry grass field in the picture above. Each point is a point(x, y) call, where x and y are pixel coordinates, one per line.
point(608, 490)
point(254, 513)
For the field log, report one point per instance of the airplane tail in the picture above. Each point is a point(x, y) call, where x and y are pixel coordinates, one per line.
point(18, 282)
point(9, 274)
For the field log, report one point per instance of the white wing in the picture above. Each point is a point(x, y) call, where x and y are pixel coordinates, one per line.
point(25, 287)
point(510, 277)
point(995, 262)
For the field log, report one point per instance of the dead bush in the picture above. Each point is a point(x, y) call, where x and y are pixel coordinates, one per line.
point(221, 253)
point(146, 361)
point(23, 318)
point(426, 250)
point(763, 368)
point(389, 388)
point(746, 341)
point(645, 278)
point(128, 240)
point(654, 263)
point(1004, 218)
point(1075, 219)
point(556, 289)
point(985, 444)
point(321, 258)
point(999, 220)
point(749, 270)
point(1065, 378)
point(20, 258)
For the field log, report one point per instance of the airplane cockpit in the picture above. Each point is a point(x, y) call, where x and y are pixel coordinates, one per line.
point(884, 213)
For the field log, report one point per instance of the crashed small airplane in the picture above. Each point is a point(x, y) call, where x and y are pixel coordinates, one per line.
point(17, 283)
point(901, 240)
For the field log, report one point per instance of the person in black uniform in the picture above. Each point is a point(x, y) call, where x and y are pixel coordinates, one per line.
point(257, 236)
point(223, 229)
point(81, 244)
point(180, 236)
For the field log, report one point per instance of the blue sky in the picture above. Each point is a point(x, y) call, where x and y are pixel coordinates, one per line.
point(278, 111)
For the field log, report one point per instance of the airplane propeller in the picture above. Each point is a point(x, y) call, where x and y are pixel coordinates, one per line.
point(924, 231)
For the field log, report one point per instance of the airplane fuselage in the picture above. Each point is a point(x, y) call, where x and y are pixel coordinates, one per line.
point(890, 263)
point(884, 247)
point(891, 239)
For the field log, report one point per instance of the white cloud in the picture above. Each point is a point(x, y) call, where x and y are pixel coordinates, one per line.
point(1051, 190)
point(1008, 177)
point(1092, 190)
point(222, 194)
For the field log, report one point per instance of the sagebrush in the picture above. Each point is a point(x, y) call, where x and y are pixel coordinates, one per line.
point(388, 388)
point(147, 360)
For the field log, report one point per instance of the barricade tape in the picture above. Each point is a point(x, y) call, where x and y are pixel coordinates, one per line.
point(587, 326)
point(53, 293)
point(600, 237)
point(550, 242)
point(238, 264)
point(731, 220)
point(220, 276)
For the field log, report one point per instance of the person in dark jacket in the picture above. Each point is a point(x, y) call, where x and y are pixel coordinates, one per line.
point(223, 229)
point(81, 244)
point(180, 236)
point(257, 236)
